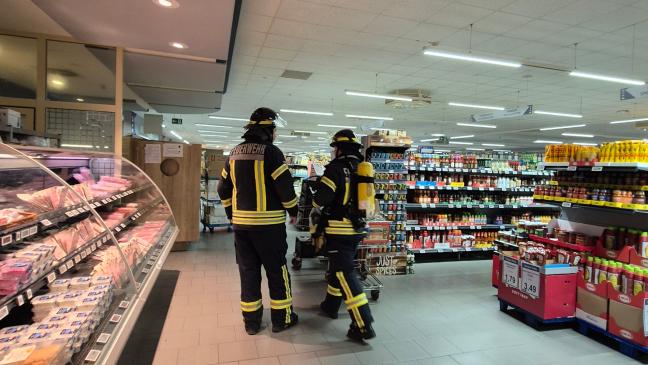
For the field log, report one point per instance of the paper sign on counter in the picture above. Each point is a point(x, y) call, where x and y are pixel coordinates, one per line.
point(152, 153)
point(172, 150)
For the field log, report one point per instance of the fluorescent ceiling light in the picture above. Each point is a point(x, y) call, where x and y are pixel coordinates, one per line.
point(378, 96)
point(477, 125)
point(557, 114)
point(106, 147)
point(435, 150)
point(213, 132)
point(461, 137)
point(81, 100)
point(493, 144)
point(77, 145)
point(437, 134)
point(311, 132)
point(367, 117)
point(474, 149)
point(57, 82)
point(466, 143)
point(178, 45)
point(185, 141)
point(546, 141)
point(305, 112)
point(502, 150)
point(606, 78)
point(578, 135)
point(380, 129)
point(563, 127)
point(336, 126)
point(360, 135)
point(277, 142)
point(429, 139)
point(477, 106)
point(163, 125)
point(213, 126)
point(171, 4)
point(463, 57)
point(629, 121)
point(176, 135)
point(586, 144)
point(286, 136)
point(228, 118)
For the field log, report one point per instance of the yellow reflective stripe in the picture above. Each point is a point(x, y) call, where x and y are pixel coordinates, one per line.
point(251, 306)
point(333, 291)
point(346, 193)
point(254, 214)
point(284, 271)
point(227, 202)
point(290, 204)
point(358, 298)
point(348, 294)
point(328, 182)
point(342, 139)
point(263, 122)
point(257, 182)
point(281, 301)
point(224, 173)
point(315, 205)
point(258, 221)
point(359, 304)
point(340, 224)
point(279, 170)
point(263, 185)
point(233, 176)
point(340, 231)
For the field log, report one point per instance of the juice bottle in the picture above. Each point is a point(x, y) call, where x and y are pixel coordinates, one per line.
point(610, 238)
point(643, 245)
point(638, 284)
point(595, 270)
point(603, 272)
point(588, 269)
point(613, 274)
point(627, 279)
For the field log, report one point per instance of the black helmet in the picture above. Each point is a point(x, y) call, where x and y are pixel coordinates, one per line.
point(345, 137)
point(262, 117)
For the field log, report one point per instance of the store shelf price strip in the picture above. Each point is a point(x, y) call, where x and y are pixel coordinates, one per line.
point(510, 272)
point(530, 280)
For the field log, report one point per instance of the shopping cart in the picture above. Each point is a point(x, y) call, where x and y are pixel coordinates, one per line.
point(377, 236)
point(305, 245)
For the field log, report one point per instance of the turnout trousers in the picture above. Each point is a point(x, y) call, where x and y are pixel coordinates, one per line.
point(265, 247)
point(343, 281)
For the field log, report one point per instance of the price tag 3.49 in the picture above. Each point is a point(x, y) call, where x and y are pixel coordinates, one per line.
point(530, 280)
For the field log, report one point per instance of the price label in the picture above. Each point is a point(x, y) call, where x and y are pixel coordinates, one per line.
point(18, 236)
point(530, 281)
point(417, 228)
point(115, 318)
point(146, 270)
point(123, 225)
point(424, 205)
point(469, 206)
point(455, 250)
point(63, 269)
point(451, 206)
point(105, 239)
point(502, 227)
point(51, 277)
point(481, 189)
point(92, 356)
point(118, 229)
point(501, 206)
point(46, 222)
point(6, 240)
point(472, 227)
point(109, 199)
point(597, 168)
point(94, 246)
point(124, 304)
point(481, 205)
point(70, 264)
point(29, 293)
point(567, 204)
point(20, 300)
point(103, 338)
point(33, 230)
point(104, 201)
point(24, 233)
point(571, 168)
point(491, 189)
point(4, 311)
point(510, 270)
point(77, 259)
point(491, 206)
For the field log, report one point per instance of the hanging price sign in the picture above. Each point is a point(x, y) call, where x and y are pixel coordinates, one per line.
point(510, 270)
point(530, 281)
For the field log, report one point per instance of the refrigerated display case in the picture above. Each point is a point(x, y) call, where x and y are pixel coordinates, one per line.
point(84, 236)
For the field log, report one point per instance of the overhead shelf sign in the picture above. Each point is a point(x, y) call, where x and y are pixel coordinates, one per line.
point(634, 92)
point(502, 114)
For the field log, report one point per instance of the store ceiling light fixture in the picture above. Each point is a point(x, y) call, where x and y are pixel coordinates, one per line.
point(178, 45)
point(169, 4)
point(476, 106)
point(566, 115)
point(367, 117)
point(378, 96)
point(474, 149)
point(185, 141)
point(77, 145)
point(305, 112)
point(629, 121)
point(578, 135)
point(213, 126)
point(213, 132)
point(437, 134)
point(429, 139)
point(57, 82)
point(586, 144)
point(563, 127)
point(80, 100)
point(228, 118)
point(462, 143)
point(311, 132)
point(477, 125)
point(462, 137)
point(620, 80)
point(544, 141)
point(337, 126)
point(493, 145)
point(286, 136)
point(176, 135)
point(469, 58)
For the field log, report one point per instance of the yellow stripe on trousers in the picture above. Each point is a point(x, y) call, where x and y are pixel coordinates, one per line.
point(233, 177)
point(288, 294)
point(349, 295)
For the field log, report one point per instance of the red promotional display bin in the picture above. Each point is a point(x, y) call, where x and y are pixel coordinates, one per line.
point(555, 297)
point(495, 275)
point(592, 302)
point(627, 313)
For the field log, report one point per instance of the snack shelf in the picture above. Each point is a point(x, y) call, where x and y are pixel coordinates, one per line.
point(469, 188)
point(529, 173)
point(569, 246)
point(461, 227)
point(455, 249)
point(387, 160)
point(397, 191)
point(391, 171)
point(423, 207)
point(596, 166)
point(504, 243)
point(594, 205)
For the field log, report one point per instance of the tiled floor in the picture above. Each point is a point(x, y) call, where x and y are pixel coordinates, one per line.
point(445, 314)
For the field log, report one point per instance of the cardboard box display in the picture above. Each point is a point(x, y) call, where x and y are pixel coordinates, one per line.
point(627, 317)
point(592, 308)
point(10, 118)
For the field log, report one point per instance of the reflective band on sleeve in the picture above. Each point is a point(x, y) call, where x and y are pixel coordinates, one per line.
point(224, 174)
point(227, 202)
point(315, 205)
point(334, 291)
point(290, 204)
point(280, 170)
point(328, 182)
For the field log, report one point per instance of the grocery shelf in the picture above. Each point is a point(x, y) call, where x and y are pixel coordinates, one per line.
point(415, 206)
point(394, 191)
point(594, 205)
point(596, 166)
point(569, 246)
point(455, 249)
point(504, 243)
point(461, 227)
point(529, 173)
point(391, 171)
point(385, 160)
point(469, 188)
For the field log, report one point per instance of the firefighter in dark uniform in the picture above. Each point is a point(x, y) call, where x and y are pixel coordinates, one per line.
point(257, 189)
point(334, 198)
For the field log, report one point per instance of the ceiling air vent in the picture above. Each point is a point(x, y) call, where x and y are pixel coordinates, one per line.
point(420, 98)
point(297, 75)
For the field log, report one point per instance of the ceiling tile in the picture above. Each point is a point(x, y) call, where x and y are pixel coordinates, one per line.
point(617, 19)
point(458, 15)
point(570, 36)
point(301, 11)
point(345, 18)
point(427, 32)
point(262, 7)
point(536, 8)
point(537, 29)
point(415, 9)
point(580, 11)
point(289, 28)
point(282, 42)
point(250, 38)
point(498, 23)
point(500, 45)
point(391, 26)
point(374, 6)
point(488, 4)
point(276, 53)
point(462, 39)
point(253, 22)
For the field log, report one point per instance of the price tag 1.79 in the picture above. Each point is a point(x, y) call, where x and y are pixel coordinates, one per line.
point(530, 281)
point(510, 270)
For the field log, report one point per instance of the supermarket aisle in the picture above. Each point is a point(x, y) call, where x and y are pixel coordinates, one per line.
point(444, 314)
